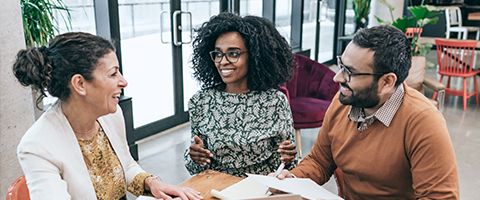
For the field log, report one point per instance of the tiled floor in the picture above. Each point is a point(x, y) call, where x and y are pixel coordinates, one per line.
point(163, 154)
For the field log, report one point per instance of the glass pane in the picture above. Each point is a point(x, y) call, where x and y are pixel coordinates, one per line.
point(327, 32)
point(82, 14)
point(201, 12)
point(283, 14)
point(147, 62)
point(251, 7)
point(349, 16)
point(309, 26)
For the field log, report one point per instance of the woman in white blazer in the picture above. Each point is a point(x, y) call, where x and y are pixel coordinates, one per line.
point(77, 149)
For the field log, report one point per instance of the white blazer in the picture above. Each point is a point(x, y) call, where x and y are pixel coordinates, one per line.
point(53, 163)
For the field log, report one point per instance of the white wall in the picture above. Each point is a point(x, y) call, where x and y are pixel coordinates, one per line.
point(16, 105)
point(380, 10)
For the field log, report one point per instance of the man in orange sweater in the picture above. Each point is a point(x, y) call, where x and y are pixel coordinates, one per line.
point(387, 138)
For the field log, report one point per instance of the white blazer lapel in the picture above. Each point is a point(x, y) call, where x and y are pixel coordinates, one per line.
point(76, 158)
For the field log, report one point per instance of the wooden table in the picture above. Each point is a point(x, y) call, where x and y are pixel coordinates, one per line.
point(208, 180)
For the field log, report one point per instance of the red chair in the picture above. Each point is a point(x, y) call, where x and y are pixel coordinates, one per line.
point(456, 58)
point(311, 90)
point(18, 190)
point(416, 76)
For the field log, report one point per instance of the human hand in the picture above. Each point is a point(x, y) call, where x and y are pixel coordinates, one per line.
point(165, 191)
point(283, 175)
point(198, 153)
point(288, 151)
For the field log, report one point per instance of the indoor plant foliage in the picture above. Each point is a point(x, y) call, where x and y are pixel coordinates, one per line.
point(361, 8)
point(419, 17)
point(38, 20)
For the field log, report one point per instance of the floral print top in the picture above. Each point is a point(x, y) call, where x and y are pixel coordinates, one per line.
point(243, 131)
point(105, 169)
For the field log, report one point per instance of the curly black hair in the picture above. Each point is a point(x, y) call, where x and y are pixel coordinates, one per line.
point(270, 59)
point(391, 47)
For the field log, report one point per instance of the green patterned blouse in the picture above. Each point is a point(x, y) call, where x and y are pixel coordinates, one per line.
point(243, 131)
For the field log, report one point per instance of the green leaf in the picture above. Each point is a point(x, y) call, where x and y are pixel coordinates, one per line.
point(404, 23)
point(38, 17)
point(380, 20)
point(418, 12)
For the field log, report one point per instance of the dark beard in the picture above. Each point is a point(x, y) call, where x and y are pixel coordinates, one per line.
point(365, 98)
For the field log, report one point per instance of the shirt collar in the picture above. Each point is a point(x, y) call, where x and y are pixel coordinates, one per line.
point(385, 113)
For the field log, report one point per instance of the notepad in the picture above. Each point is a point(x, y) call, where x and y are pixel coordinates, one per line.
point(247, 188)
point(141, 197)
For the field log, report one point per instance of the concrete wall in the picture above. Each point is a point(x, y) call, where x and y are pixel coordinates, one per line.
point(380, 10)
point(16, 105)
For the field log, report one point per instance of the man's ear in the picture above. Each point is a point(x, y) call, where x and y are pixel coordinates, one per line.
point(387, 83)
point(77, 83)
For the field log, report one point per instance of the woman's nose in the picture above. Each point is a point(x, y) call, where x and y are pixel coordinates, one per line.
point(123, 82)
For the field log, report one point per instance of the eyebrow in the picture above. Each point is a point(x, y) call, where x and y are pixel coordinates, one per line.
point(229, 48)
point(113, 68)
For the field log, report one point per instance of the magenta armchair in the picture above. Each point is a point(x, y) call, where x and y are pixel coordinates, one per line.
point(311, 90)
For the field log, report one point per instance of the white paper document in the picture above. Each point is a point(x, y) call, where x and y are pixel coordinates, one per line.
point(245, 189)
point(141, 197)
point(302, 186)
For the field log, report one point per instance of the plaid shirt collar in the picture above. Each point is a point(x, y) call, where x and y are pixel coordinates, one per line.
point(384, 114)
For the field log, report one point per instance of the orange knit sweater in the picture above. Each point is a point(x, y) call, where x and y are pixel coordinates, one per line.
point(413, 158)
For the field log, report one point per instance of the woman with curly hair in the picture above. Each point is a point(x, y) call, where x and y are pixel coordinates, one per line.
point(241, 123)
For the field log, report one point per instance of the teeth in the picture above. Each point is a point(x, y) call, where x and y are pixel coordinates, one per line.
point(226, 72)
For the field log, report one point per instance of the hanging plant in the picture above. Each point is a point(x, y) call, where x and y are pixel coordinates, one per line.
point(39, 20)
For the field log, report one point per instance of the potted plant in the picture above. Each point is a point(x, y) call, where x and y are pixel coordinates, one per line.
point(419, 17)
point(38, 20)
point(361, 8)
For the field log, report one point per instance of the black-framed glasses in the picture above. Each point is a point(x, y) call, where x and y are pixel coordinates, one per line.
point(231, 56)
point(347, 74)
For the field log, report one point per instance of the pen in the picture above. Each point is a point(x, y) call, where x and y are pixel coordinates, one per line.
point(279, 169)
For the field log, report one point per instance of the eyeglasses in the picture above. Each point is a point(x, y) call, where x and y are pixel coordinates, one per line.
point(231, 56)
point(347, 74)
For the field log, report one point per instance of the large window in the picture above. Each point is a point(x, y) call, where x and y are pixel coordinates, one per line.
point(201, 11)
point(82, 16)
point(283, 13)
point(147, 62)
point(309, 26)
point(251, 7)
point(327, 30)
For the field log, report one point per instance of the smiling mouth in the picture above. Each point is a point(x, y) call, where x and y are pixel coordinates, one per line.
point(345, 89)
point(117, 96)
point(226, 72)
